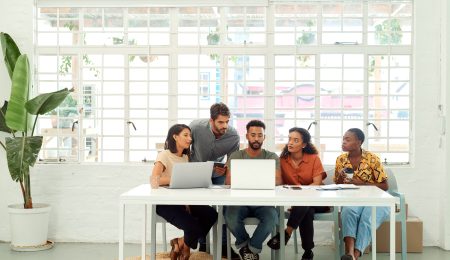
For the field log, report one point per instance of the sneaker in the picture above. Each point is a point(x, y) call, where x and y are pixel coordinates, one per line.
point(274, 242)
point(234, 256)
point(346, 257)
point(308, 255)
point(247, 254)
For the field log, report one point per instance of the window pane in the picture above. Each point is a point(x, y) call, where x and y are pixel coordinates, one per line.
point(154, 66)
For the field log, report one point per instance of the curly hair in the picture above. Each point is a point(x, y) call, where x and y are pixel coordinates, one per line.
point(306, 137)
point(257, 123)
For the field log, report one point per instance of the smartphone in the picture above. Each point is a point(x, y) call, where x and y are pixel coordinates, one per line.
point(219, 164)
point(292, 187)
point(348, 170)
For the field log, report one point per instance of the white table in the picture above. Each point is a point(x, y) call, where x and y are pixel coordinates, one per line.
point(144, 195)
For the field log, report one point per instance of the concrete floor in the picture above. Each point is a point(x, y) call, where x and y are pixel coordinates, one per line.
point(97, 251)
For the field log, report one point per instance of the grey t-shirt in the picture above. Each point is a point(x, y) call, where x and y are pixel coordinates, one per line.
point(242, 154)
point(205, 146)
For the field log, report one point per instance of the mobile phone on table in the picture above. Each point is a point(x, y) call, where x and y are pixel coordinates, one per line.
point(292, 187)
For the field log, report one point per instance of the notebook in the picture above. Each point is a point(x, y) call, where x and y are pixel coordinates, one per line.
point(252, 174)
point(191, 175)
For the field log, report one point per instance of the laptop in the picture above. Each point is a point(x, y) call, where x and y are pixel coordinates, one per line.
point(252, 174)
point(191, 175)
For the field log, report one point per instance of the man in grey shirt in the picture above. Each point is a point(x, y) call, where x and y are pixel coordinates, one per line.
point(212, 139)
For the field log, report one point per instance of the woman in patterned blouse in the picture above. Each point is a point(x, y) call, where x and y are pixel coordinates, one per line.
point(367, 170)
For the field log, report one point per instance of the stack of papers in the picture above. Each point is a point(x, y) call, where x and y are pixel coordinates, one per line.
point(338, 187)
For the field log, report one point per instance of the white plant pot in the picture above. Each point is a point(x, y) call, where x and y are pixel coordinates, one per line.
point(29, 227)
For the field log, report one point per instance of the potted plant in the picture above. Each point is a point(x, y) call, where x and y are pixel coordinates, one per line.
point(22, 147)
point(213, 38)
point(307, 37)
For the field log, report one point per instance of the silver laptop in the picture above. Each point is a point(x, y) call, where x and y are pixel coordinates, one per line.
point(252, 174)
point(191, 175)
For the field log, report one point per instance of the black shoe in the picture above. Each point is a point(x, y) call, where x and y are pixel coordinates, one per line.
point(234, 256)
point(274, 242)
point(247, 254)
point(346, 257)
point(308, 255)
point(202, 248)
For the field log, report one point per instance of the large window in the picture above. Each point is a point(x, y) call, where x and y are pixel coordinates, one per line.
point(322, 65)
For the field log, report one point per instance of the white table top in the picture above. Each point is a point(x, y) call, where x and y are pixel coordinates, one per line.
point(364, 196)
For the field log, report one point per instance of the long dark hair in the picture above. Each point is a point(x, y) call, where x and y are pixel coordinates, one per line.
point(309, 148)
point(170, 143)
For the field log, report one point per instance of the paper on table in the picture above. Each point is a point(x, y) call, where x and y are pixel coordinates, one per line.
point(338, 187)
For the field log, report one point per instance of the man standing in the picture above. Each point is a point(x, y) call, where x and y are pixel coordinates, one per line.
point(250, 247)
point(212, 139)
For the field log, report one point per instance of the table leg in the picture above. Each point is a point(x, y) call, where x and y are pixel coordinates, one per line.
point(144, 232)
point(121, 228)
point(281, 252)
point(392, 233)
point(217, 239)
point(374, 233)
point(153, 233)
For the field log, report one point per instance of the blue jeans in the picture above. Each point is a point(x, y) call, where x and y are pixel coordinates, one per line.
point(356, 223)
point(234, 218)
point(219, 180)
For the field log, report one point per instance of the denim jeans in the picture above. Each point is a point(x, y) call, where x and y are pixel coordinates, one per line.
point(234, 218)
point(356, 223)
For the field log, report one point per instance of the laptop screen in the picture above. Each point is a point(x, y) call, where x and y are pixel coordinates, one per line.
point(252, 174)
point(191, 175)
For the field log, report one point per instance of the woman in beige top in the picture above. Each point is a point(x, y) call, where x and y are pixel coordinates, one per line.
point(194, 220)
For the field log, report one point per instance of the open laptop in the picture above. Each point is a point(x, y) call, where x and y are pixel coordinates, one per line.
point(191, 175)
point(252, 174)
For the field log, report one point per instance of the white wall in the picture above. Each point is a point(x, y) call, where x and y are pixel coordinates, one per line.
point(85, 197)
point(445, 202)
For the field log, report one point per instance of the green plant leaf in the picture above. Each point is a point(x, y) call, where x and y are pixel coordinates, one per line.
point(3, 126)
point(46, 102)
point(16, 115)
point(10, 52)
point(22, 153)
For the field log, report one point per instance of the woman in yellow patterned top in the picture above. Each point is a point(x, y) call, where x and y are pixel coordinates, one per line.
point(366, 169)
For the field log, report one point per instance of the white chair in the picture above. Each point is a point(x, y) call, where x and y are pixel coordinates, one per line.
point(401, 214)
point(163, 222)
point(155, 218)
